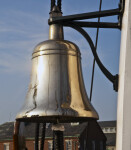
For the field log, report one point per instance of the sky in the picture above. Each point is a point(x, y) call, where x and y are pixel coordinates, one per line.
point(24, 24)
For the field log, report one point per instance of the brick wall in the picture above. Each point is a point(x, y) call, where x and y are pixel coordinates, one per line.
point(5, 142)
point(30, 144)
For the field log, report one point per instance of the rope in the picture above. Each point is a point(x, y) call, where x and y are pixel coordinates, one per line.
point(43, 136)
point(93, 69)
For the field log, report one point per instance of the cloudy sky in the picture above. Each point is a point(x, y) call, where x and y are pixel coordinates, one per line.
point(23, 24)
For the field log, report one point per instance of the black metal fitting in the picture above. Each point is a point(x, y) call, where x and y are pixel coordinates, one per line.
point(59, 4)
point(73, 21)
point(112, 78)
point(52, 4)
point(105, 13)
point(58, 142)
point(43, 136)
point(90, 15)
point(37, 136)
point(121, 8)
point(115, 82)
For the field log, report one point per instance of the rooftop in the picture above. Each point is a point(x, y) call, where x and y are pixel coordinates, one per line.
point(107, 124)
point(6, 131)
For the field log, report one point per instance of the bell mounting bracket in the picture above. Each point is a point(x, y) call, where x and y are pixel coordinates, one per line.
point(74, 22)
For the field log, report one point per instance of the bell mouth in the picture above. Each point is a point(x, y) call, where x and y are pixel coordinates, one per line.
point(55, 119)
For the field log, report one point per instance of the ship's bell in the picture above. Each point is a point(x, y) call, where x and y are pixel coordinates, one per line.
point(56, 92)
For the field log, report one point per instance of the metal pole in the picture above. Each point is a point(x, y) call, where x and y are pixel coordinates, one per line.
point(43, 136)
point(58, 140)
point(83, 16)
point(124, 90)
point(15, 136)
point(37, 136)
point(58, 143)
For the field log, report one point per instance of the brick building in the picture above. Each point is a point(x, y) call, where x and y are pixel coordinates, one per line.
point(72, 135)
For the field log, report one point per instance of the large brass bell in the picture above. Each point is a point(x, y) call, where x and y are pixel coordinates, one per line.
point(56, 92)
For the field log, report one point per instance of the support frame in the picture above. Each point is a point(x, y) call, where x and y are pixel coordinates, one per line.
point(74, 22)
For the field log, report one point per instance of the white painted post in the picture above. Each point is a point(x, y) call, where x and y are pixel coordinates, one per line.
point(124, 92)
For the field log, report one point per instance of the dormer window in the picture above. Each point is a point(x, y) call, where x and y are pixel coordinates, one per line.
point(109, 130)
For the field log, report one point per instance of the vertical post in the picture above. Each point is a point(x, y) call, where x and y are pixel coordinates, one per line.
point(18, 137)
point(124, 91)
point(15, 136)
point(37, 136)
point(58, 141)
point(43, 136)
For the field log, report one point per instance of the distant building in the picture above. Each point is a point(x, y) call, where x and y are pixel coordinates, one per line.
point(109, 129)
point(72, 136)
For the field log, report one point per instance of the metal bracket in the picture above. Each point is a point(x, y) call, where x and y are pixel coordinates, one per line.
point(112, 78)
point(121, 7)
point(73, 21)
point(105, 13)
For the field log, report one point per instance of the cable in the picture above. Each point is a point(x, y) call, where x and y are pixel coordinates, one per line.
point(93, 69)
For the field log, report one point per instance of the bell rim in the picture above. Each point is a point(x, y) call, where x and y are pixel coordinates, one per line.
point(56, 119)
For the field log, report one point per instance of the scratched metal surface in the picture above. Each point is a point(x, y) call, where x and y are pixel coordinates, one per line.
point(56, 91)
point(57, 87)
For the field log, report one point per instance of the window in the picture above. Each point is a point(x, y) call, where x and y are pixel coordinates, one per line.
point(106, 130)
point(50, 145)
point(6, 146)
point(103, 130)
point(109, 130)
point(75, 124)
point(68, 145)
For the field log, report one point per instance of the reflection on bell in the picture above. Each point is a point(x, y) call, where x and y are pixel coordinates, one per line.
point(56, 92)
